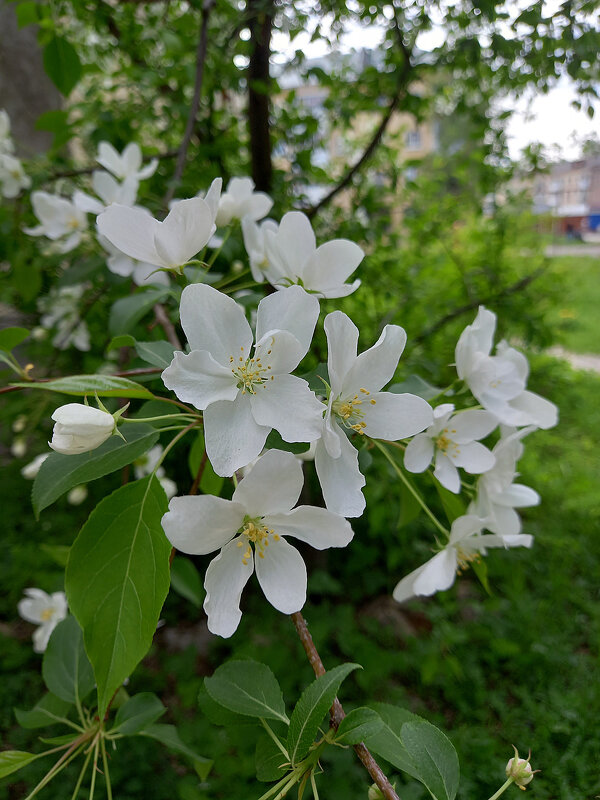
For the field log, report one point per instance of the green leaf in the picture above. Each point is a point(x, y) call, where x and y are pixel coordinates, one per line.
point(57, 123)
point(186, 581)
point(210, 482)
point(314, 703)
point(269, 759)
point(434, 758)
point(275, 442)
point(249, 688)
point(138, 713)
point(454, 506)
point(11, 337)
point(27, 13)
point(62, 64)
point(128, 311)
point(409, 506)
point(13, 760)
point(117, 579)
point(121, 341)
point(66, 670)
point(48, 711)
point(159, 354)
point(414, 384)
point(169, 736)
point(387, 742)
point(102, 385)
point(358, 725)
point(59, 473)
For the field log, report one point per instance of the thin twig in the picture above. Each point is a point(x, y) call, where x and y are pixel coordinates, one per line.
point(199, 474)
point(163, 319)
point(480, 301)
point(337, 712)
point(189, 128)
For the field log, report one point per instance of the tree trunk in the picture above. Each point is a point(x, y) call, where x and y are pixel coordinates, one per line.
point(260, 13)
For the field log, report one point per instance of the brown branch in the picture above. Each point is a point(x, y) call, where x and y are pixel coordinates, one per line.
point(402, 81)
point(163, 319)
point(73, 173)
point(199, 474)
point(189, 128)
point(481, 301)
point(337, 712)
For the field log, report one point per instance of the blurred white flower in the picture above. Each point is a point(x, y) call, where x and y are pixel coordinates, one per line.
point(12, 176)
point(145, 464)
point(77, 495)
point(254, 242)
point(140, 272)
point(44, 610)
point(292, 256)
point(466, 545)
point(19, 447)
point(240, 200)
point(108, 190)
point(31, 470)
point(6, 142)
point(499, 381)
point(60, 220)
point(127, 164)
point(19, 424)
point(61, 311)
point(79, 428)
point(356, 404)
point(244, 396)
point(451, 439)
point(250, 532)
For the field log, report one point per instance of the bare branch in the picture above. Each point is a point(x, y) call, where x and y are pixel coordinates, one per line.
point(189, 128)
point(168, 327)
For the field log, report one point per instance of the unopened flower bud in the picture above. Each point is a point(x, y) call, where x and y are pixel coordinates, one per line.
point(80, 428)
point(519, 769)
point(374, 793)
point(77, 495)
point(19, 447)
point(19, 424)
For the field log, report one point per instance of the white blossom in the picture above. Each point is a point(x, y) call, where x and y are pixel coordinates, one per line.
point(6, 142)
point(108, 190)
point(497, 494)
point(127, 164)
point(499, 381)
point(169, 244)
point(466, 545)
point(44, 610)
point(61, 311)
point(245, 392)
point(356, 405)
point(240, 200)
point(140, 272)
point(12, 176)
point(30, 471)
point(292, 256)
point(145, 464)
point(77, 495)
point(254, 242)
point(250, 531)
point(79, 428)
point(60, 220)
point(452, 440)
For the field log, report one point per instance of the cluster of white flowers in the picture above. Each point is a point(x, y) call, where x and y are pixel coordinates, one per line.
point(12, 176)
point(60, 311)
point(240, 377)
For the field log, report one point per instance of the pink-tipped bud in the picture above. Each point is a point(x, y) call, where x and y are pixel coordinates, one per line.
point(520, 770)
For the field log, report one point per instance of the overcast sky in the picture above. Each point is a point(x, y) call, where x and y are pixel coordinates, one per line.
point(549, 119)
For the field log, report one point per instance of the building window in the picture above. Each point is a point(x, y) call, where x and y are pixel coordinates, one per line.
point(413, 139)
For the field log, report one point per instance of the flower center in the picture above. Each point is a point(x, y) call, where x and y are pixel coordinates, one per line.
point(259, 536)
point(348, 410)
point(47, 614)
point(444, 443)
point(73, 223)
point(465, 559)
point(250, 372)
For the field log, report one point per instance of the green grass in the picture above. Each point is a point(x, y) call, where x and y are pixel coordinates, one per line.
point(576, 318)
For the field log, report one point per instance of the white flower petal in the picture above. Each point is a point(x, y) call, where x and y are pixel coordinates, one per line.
point(439, 573)
point(517, 496)
point(395, 416)
point(343, 290)
point(109, 158)
point(446, 473)
point(214, 322)
point(472, 424)
point(292, 245)
point(273, 484)
point(278, 352)
point(184, 232)
point(475, 458)
point(282, 576)
point(87, 203)
point(225, 579)
point(374, 368)
point(318, 527)
point(132, 230)
point(418, 453)
point(331, 264)
point(341, 480)
point(198, 379)
point(201, 524)
point(535, 410)
point(287, 404)
point(290, 309)
point(233, 438)
point(147, 171)
point(342, 342)
point(41, 636)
